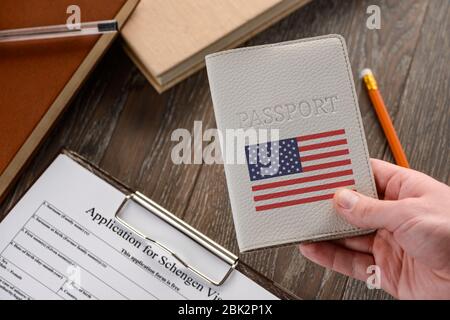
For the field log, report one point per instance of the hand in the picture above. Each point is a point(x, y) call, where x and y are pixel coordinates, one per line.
point(412, 243)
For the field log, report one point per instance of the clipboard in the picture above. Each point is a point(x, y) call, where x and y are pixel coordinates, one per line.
point(132, 197)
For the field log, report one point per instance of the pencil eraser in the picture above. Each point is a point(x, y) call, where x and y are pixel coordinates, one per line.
point(364, 72)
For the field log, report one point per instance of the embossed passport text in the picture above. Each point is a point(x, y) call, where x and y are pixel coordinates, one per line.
point(303, 92)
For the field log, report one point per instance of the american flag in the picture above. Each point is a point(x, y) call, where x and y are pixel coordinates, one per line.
point(299, 170)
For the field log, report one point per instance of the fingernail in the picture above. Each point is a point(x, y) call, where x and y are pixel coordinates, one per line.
point(346, 199)
point(307, 248)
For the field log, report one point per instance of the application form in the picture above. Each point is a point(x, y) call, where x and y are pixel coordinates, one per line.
point(61, 241)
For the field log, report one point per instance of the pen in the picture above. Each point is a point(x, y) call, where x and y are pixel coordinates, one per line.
point(384, 118)
point(59, 31)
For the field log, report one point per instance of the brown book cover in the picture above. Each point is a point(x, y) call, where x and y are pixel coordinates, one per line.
point(38, 78)
point(168, 39)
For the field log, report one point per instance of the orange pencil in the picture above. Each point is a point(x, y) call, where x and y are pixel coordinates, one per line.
point(385, 119)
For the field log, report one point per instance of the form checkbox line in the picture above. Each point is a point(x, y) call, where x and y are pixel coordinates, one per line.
point(57, 211)
point(73, 240)
point(64, 278)
point(9, 261)
point(17, 288)
point(35, 257)
point(53, 208)
point(1, 253)
point(74, 263)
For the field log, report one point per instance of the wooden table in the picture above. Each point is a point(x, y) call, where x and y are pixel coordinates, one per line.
point(119, 122)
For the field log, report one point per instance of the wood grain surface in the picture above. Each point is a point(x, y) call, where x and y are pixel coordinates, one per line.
point(120, 123)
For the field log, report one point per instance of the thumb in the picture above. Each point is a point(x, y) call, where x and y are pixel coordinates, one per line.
point(369, 213)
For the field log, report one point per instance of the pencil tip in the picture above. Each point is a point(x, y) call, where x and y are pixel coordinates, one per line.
point(365, 72)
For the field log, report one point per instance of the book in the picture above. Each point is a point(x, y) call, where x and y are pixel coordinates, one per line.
point(39, 77)
point(168, 39)
point(302, 93)
point(64, 240)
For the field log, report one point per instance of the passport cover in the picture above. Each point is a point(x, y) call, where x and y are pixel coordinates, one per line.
point(282, 192)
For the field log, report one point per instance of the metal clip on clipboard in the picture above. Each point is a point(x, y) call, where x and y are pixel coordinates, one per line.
point(182, 227)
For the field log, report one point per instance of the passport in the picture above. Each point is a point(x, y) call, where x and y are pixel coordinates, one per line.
point(295, 105)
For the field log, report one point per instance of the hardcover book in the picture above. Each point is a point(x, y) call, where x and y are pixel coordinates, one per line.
point(168, 39)
point(38, 78)
point(302, 93)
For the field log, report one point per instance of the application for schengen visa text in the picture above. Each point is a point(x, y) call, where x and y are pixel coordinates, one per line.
point(61, 242)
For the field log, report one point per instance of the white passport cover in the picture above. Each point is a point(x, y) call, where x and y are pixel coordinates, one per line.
point(305, 89)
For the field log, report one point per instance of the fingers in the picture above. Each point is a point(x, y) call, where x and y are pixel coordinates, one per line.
point(391, 178)
point(362, 244)
point(384, 173)
point(369, 213)
point(342, 260)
